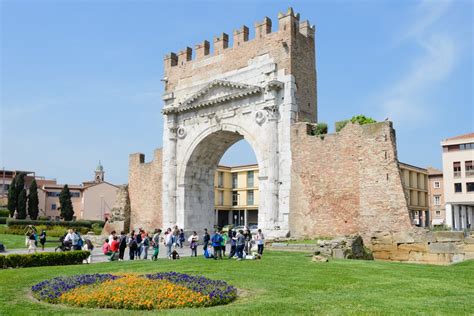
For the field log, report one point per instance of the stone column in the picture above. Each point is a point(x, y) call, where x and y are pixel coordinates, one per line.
point(172, 172)
point(449, 215)
point(456, 213)
point(463, 216)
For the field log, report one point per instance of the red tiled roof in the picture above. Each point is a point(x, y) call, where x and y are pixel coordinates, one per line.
point(470, 135)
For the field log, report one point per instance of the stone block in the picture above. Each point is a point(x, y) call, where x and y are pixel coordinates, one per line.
point(400, 255)
point(424, 236)
point(469, 240)
point(467, 247)
point(458, 258)
point(468, 255)
point(403, 237)
point(319, 258)
point(421, 247)
point(448, 236)
point(384, 247)
point(443, 247)
point(439, 259)
point(382, 238)
point(382, 255)
point(338, 254)
point(415, 256)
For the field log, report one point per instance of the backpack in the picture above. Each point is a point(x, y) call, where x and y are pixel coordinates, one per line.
point(146, 242)
point(80, 242)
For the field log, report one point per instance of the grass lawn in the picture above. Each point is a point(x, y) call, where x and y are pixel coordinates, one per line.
point(281, 283)
point(12, 241)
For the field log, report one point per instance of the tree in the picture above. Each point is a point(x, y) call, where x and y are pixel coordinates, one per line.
point(67, 211)
point(12, 199)
point(21, 207)
point(33, 201)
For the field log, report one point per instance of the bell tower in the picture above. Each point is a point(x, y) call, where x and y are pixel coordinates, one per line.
point(99, 173)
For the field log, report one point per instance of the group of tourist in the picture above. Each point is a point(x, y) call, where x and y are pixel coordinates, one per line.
point(214, 246)
point(32, 237)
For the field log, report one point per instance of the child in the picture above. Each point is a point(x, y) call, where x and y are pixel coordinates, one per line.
point(175, 255)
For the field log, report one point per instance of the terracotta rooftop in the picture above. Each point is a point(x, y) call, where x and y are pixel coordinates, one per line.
point(433, 171)
point(470, 135)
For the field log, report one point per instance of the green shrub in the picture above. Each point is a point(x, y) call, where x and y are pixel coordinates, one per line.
point(100, 223)
point(4, 212)
point(43, 218)
point(43, 259)
point(362, 119)
point(317, 129)
point(340, 125)
point(3, 220)
point(72, 224)
point(51, 231)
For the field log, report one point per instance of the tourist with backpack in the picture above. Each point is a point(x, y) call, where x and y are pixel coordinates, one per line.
point(155, 242)
point(240, 244)
point(216, 240)
point(42, 239)
point(138, 239)
point(80, 242)
point(181, 238)
point(122, 245)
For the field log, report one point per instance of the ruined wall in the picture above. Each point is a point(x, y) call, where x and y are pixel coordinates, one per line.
point(145, 191)
point(292, 46)
point(422, 246)
point(346, 183)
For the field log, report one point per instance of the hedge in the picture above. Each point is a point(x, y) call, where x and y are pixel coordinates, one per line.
point(25, 222)
point(3, 220)
point(43, 259)
point(4, 212)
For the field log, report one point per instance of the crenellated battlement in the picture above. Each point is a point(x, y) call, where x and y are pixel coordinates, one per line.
point(288, 22)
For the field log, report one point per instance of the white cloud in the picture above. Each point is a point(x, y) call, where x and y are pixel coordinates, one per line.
point(404, 101)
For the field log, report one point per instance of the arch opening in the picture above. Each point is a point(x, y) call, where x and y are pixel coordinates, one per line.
point(217, 195)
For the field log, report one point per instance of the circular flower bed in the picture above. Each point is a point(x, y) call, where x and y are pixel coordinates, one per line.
point(130, 291)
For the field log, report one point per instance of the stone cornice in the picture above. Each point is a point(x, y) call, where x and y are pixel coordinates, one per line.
point(242, 90)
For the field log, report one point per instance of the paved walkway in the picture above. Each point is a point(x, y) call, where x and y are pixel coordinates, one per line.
point(98, 256)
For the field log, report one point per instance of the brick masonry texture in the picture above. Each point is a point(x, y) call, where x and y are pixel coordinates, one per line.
point(346, 183)
point(145, 191)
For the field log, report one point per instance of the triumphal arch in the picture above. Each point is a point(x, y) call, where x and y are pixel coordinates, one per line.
point(254, 90)
point(263, 90)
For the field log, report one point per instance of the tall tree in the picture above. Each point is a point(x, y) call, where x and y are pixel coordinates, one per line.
point(21, 207)
point(12, 200)
point(33, 200)
point(20, 183)
point(67, 211)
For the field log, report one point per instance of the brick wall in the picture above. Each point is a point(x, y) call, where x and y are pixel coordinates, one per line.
point(346, 183)
point(145, 191)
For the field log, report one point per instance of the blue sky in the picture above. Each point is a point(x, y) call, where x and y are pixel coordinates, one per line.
point(80, 80)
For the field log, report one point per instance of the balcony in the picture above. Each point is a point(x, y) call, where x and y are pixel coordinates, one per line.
point(457, 174)
point(469, 173)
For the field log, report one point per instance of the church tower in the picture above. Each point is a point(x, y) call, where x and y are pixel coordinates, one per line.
point(99, 173)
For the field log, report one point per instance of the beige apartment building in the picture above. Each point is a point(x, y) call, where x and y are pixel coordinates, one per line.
point(236, 195)
point(436, 197)
point(458, 175)
point(91, 200)
point(415, 184)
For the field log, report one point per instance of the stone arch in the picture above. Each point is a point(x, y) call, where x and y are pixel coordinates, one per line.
point(197, 169)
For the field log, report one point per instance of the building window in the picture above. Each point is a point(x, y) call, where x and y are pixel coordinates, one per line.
point(250, 179)
point(457, 188)
point(53, 207)
point(457, 169)
point(469, 167)
point(54, 194)
point(470, 186)
point(437, 200)
point(220, 179)
point(75, 194)
point(438, 212)
point(235, 198)
point(436, 185)
point(234, 180)
point(250, 197)
point(221, 198)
